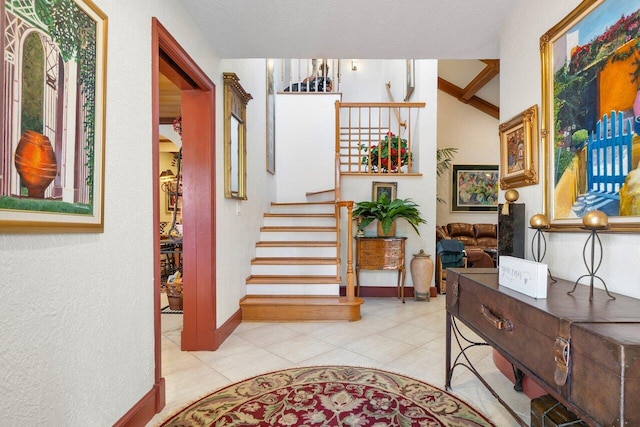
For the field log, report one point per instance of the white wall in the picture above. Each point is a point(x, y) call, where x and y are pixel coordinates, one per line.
point(475, 135)
point(76, 319)
point(305, 145)
point(520, 88)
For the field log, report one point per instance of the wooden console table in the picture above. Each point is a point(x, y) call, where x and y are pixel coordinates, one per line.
point(381, 253)
point(586, 354)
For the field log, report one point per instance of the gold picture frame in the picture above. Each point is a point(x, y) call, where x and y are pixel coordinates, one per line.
point(388, 188)
point(519, 150)
point(235, 137)
point(52, 128)
point(590, 131)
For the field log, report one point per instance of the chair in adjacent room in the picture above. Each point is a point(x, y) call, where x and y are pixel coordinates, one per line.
point(449, 254)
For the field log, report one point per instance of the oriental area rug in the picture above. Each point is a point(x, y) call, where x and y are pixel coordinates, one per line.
point(329, 396)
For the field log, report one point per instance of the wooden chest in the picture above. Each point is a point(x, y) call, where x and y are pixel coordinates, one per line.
point(586, 354)
point(380, 253)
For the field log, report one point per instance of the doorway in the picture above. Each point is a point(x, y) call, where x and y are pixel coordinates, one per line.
point(198, 203)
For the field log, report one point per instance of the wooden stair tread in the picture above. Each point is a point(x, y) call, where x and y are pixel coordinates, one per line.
point(294, 299)
point(299, 215)
point(294, 260)
point(291, 279)
point(301, 228)
point(302, 203)
point(291, 243)
point(272, 308)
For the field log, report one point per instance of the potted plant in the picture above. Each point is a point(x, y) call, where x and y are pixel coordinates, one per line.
point(386, 155)
point(386, 211)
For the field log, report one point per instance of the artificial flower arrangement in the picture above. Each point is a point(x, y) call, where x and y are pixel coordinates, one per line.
point(388, 156)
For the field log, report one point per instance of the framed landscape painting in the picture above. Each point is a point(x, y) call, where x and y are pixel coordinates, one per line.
point(591, 115)
point(52, 117)
point(474, 188)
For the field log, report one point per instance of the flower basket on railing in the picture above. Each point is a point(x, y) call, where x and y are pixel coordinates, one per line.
point(390, 155)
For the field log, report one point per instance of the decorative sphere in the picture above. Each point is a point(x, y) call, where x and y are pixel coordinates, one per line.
point(511, 195)
point(539, 221)
point(595, 219)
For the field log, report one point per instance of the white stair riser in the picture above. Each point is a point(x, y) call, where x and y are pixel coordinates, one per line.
point(292, 236)
point(295, 251)
point(320, 208)
point(298, 289)
point(293, 270)
point(280, 221)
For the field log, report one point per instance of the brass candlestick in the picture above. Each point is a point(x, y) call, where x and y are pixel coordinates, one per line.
point(539, 222)
point(593, 221)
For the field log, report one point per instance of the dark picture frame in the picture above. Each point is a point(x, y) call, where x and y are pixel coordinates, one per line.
point(388, 188)
point(590, 80)
point(57, 124)
point(474, 188)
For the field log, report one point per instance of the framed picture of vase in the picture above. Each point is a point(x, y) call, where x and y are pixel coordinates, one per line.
point(591, 115)
point(388, 189)
point(474, 188)
point(52, 120)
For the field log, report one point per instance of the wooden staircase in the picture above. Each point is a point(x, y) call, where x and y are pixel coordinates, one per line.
point(295, 275)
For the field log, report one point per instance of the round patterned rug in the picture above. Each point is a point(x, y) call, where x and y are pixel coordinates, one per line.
point(329, 396)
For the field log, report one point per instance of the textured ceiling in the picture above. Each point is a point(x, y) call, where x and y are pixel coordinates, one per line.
point(366, 29)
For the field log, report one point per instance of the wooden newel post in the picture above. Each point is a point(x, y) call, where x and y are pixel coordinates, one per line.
point(351, 294)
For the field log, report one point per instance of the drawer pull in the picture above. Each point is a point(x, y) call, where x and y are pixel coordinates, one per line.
point(500, 324)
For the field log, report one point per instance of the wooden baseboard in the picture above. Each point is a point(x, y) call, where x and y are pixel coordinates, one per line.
point(142, 412)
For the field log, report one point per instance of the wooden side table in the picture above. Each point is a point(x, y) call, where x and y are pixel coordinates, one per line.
point(381, 253)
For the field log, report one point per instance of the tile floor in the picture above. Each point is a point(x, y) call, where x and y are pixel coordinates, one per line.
point(404, 338)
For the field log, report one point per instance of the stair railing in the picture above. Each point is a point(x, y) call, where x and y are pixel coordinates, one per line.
point(376, 138)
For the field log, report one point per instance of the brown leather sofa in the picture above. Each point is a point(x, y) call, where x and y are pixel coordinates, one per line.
point(479, 240)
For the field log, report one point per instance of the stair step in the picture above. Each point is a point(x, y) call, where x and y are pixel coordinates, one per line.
point(304, 207)
point(296, 229)
point(293, 279)
point(293, 260)
point(297, 308)
point(299, 219)
point(301, 243)
point(295, 249)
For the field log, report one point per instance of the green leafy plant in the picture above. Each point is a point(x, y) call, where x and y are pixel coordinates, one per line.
point(386, 211)
point(386, 156)
point(444, 156)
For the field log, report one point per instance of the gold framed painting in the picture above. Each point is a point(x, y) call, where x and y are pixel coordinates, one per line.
point(519, 150)
point(591, 115)
point(389, 189)
point(53, 117)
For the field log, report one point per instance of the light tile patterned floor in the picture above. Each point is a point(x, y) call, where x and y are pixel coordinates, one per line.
point(404, 338)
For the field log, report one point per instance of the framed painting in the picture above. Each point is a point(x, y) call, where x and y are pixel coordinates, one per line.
point(519, 150)
point(52, 120)
point(271, 119)
point(390, 189)
point(591, 115)
point(474, 188)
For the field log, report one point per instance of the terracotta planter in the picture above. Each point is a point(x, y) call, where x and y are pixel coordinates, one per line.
point(391, 233)
point(421, 267)
point(36, 163)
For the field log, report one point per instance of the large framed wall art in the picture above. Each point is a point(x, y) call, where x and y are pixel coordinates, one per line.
point(474, 188)
point(591, 115)
point(52, 116)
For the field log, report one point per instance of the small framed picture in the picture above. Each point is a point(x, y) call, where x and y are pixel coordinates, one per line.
point(388, 188)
